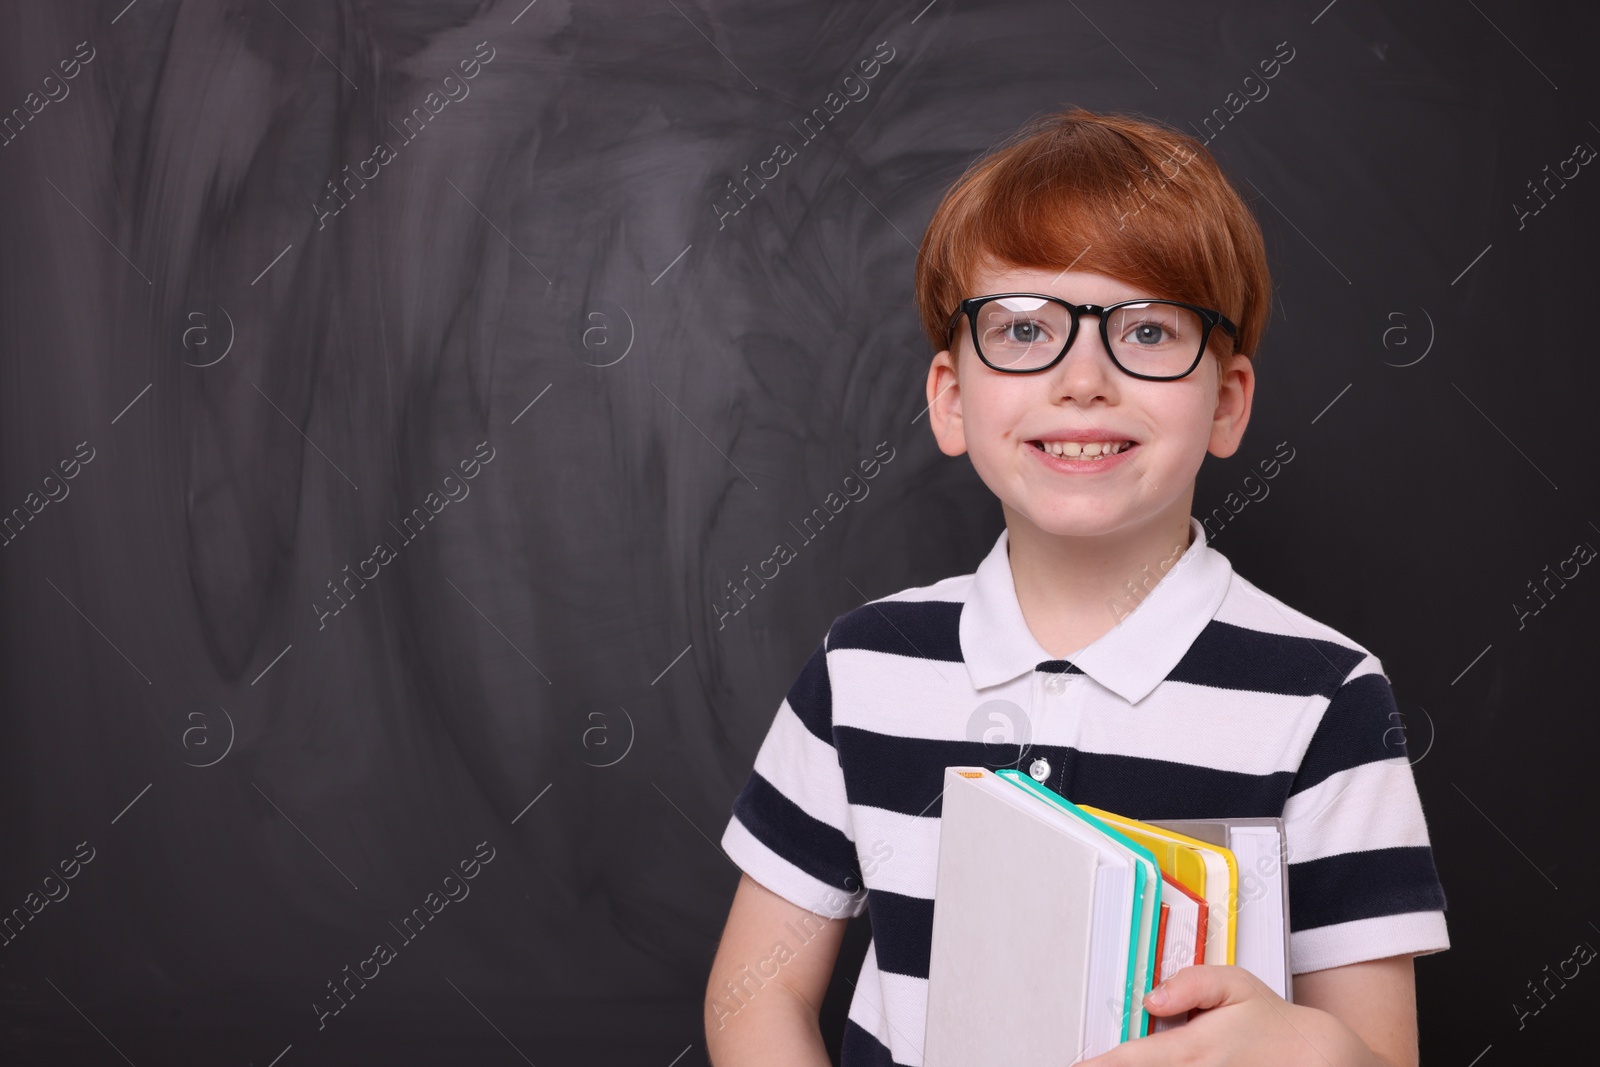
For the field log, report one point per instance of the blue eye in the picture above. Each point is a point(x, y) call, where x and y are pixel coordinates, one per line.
point(1027, 332)
point(1154, 325)
point(1148, 332)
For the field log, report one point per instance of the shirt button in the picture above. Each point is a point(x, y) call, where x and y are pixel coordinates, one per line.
point(1057, 684)
point(1039, 769)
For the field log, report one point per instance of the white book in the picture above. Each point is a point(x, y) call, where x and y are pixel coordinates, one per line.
point(1032, 915)
point(1262, 947)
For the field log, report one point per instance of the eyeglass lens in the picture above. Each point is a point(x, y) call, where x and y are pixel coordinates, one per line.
point(1025, 333)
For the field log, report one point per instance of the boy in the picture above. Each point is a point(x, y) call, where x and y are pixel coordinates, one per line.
point(1101, 645)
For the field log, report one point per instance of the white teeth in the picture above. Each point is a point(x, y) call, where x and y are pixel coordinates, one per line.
point(1085, 449)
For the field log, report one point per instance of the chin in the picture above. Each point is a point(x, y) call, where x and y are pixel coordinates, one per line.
point(1076, 521)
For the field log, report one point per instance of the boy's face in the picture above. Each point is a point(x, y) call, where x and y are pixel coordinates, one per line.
point(998, 417)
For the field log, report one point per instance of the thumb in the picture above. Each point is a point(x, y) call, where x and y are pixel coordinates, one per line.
point(1198, 986)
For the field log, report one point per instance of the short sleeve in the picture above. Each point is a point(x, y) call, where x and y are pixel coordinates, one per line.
point(1362, 883)
point(790, 828)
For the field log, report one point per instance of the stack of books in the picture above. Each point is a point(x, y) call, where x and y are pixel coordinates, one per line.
point(1052, 920)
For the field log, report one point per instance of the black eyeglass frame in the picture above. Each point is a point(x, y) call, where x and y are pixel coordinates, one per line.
point(1210, 316)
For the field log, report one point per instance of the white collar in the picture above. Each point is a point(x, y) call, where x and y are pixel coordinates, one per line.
point(1131, 659)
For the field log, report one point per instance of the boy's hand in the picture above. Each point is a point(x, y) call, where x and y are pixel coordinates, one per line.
point(1241, 1022)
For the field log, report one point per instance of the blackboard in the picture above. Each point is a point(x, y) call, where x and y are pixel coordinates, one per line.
point(393, 391)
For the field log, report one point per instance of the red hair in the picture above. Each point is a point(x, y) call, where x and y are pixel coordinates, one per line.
point(1109, 193)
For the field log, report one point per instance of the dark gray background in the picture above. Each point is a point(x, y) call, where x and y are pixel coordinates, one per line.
point(552, 639)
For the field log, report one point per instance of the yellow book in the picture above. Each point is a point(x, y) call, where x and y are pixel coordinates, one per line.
point(1209, 871)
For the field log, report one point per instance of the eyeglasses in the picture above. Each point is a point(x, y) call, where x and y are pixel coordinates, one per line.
point(1022, 333)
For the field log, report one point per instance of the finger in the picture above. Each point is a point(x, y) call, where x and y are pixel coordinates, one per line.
point(1200, 986)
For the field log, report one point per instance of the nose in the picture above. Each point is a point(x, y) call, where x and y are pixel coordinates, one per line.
point(1085, 373)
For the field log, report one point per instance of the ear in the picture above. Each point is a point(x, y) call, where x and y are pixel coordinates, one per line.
point(1236, 389)
point(944, 404)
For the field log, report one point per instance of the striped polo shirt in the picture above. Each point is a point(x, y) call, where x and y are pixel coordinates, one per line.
point(1208, 699)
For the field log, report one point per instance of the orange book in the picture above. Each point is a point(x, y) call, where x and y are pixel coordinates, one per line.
point(1205, 913)
point(1183, 959)
point(1161, 929)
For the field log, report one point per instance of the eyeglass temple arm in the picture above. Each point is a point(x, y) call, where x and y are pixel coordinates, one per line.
point(949, 330)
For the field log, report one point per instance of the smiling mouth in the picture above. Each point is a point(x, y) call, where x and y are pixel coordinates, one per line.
point(1083, 450)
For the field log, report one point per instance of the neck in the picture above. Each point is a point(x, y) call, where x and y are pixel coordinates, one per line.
point(1074, 590)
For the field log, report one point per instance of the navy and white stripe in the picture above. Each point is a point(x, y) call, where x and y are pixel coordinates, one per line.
point(1212, 698)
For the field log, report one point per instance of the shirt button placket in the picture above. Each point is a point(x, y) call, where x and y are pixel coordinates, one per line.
point(1057, 687)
